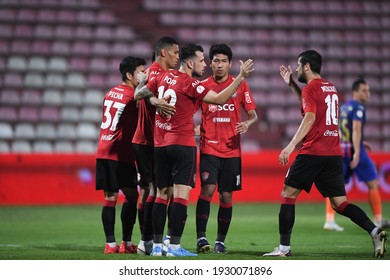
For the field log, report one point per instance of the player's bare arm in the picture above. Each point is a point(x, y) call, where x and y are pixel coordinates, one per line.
point(356, 138)
point(286, 73)
point(213, 97)
point(242, 127)
point(303, 130)
point(141, 91)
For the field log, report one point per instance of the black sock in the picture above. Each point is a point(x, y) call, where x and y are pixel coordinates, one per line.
point(128, 217)
point(225, 213)
point(357, 215)
point(286, 222)
point(202, 216)
point(178, 219)
point(159, 217)
point(169, 230)
point(147, 229)
point(141, 217)
point(108, 219)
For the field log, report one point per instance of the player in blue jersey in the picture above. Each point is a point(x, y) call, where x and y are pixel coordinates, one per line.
point(356, 159)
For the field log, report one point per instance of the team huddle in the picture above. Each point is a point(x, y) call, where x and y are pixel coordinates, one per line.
point(148, 129)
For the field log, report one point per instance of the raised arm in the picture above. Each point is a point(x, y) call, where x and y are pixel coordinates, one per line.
point(221, 98)
point(286, 73)
point(141, 91)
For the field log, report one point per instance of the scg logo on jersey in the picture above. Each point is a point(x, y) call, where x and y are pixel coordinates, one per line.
point(225, 107)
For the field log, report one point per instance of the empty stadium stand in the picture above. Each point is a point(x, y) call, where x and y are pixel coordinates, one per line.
point(59, 57)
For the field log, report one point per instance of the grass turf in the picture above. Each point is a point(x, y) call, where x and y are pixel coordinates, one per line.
point(76, 233)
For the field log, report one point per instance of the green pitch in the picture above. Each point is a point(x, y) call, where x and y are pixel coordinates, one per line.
point(76, 233)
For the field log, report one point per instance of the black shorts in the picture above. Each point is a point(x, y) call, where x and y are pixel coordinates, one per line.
point(112, 175)
point(326, 172)
point(175, 164)
point(145, 163)
point(226, 172)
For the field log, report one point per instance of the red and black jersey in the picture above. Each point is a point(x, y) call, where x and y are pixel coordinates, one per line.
point(144, 133)
point(118, 125)
point(218, 128)
point(183, 91)
point(321, 98)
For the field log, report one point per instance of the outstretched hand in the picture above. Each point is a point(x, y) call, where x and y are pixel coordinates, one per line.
point(286, 73)
point(246, 67)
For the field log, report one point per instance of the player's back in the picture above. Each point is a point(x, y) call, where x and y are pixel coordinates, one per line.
point(321, 98)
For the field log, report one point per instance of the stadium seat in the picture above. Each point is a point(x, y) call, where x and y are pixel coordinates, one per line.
point(91, 114)
point(34, 80)
point(21, 147)
point(37, 63)
point(54, 80)
point(87, 131)
point(52, 97)
point(41, 47)
point(49, 114)
point(99, 64)
point(31, 97)
point(67, 16)
point(63, 147)
point(83, 32)
point(69, 114)
point(79, 64)
point(75, 80)
point(17, 63)
point(85, 147)
point(103, 32)
point(4, 147)
point(72, 98)
point(24, 131)
point(8, 114)
point(59, 64)
point(64, 32)
point(62, 48)
point(66, 131)
point(6, 131)
point(12, 80)
point(42, 147)
point(93, 97)
point(45, 131)
point(26, 15)
point(10, 96)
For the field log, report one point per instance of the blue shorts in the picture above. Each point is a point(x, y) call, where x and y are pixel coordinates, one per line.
point(365, 170)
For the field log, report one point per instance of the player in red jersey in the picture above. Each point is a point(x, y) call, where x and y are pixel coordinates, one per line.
point(175, 146)
point(319, 159)
point(166, 55)
point(220, 148)
point(115, 162)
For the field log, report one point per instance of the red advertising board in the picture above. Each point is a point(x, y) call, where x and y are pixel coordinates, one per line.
point(70, 179)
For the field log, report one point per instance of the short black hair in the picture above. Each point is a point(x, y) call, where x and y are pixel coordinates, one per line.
point(188, 51)
point(356, 84)
point(220, 49)
point(313, 58)
point(163, 43)
point(129, 64)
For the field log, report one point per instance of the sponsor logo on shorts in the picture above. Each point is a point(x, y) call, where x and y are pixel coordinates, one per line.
point(205, 175)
